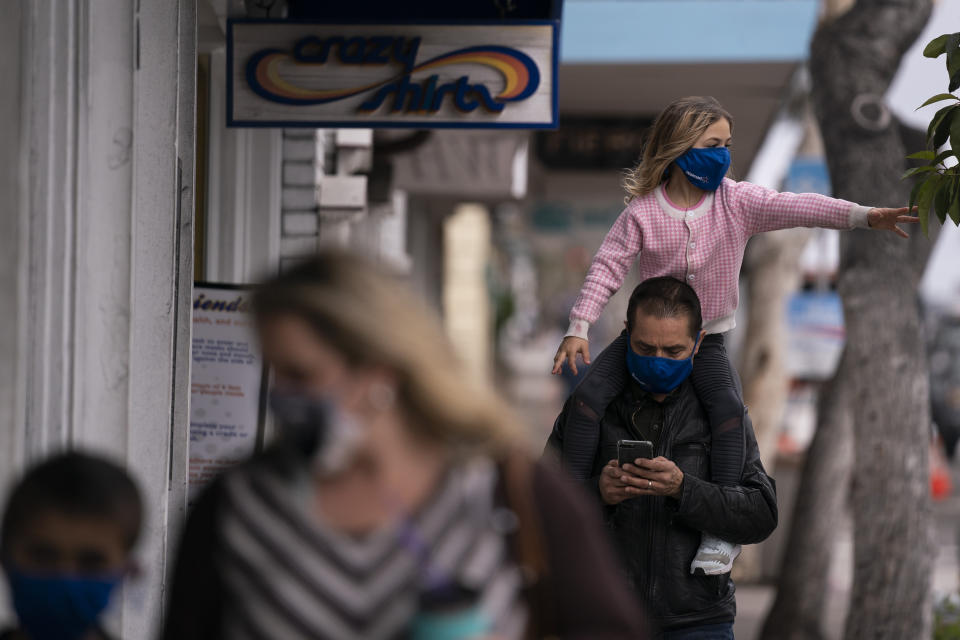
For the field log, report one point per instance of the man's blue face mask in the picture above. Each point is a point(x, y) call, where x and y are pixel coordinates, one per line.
point(705, 168)
point(659, 375)
point(59, 607)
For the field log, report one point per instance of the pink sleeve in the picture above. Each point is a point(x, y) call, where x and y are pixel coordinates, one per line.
point(609, 267)
point(761, 209)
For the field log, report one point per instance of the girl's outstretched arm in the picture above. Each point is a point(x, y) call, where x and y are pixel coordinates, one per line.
point(759, 209)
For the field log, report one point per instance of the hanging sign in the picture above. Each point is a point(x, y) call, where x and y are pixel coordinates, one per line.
point(815, 334)
point(593, 143)
point(226, 380)
point(287, 74)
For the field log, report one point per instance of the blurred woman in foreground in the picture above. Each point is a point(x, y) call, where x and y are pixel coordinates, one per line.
point(394, 503)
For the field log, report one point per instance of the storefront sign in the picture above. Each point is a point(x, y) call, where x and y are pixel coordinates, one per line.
point(815, 334)
point(593, 144)
point(286, 74)
point(227, 383)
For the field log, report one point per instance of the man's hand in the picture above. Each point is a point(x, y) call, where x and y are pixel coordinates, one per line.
point(888, 218)
point(612, 489)
point(569, 348)
point(657, 477)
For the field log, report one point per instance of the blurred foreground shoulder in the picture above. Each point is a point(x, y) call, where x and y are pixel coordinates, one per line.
point(195, 604)
point(592, 598)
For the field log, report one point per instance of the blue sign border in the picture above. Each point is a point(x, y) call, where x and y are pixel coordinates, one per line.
point(389, 124)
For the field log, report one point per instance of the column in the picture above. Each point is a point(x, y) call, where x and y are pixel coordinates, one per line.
point(104, 263)
point(466, 299)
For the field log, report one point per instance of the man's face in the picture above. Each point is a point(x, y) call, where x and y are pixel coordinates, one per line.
point(55, 543)
point(662, 337)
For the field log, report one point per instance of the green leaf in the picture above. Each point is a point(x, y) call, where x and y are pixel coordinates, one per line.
point(938, 98)
point(922, 155)
point(943, 129)
point(935, 47)
point(954, 210)
point(924, 169)
point(946, 154)
point(953, 57)
point(914, 193)
point(927, 191)
point(941, 201)
point(952, 48)
point(937, 119)
point(955, 133)
point(925, 199)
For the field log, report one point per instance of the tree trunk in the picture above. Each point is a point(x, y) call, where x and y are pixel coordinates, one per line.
point(772, 269)
point(798, 611)
point(853, 60)
point(774, 272)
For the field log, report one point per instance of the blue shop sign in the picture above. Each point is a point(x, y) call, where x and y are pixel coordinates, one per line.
point(283, 73)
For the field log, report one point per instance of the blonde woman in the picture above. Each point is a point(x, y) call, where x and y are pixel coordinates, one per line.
point(684, 218)
point(393, 503)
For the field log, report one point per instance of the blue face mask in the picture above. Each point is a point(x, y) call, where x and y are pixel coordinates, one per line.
point(57, 607)
point(659, 375)
point(705, 168)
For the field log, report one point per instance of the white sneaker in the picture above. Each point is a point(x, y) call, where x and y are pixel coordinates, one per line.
point(715, 556)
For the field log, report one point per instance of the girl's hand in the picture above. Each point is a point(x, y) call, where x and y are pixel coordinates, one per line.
point(569, 348)
point(888, 219)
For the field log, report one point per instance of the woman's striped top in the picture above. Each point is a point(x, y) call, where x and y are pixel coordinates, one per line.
point(288, 576)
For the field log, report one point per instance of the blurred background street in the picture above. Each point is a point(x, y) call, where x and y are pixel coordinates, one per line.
point(158, 158)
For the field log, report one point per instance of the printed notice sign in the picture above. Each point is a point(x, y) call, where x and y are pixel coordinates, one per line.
point(226, 382)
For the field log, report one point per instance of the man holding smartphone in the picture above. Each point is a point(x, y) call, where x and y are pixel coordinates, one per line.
point(658, 504)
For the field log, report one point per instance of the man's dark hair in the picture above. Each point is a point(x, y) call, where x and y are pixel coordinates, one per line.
point(76, 485)
point(665, 297)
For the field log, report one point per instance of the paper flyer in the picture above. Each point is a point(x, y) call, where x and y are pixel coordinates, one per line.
point(226, 383)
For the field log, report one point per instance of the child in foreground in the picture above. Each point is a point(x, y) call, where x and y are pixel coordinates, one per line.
point(68, 530)
point(684, 218)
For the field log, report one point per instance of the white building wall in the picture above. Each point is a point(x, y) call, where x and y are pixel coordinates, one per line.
point(12, 239)
point(325, 202)
point(96, 258)
point(242, 234)
point(97, 282)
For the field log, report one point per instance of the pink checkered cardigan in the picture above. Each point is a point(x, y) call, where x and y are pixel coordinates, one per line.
point(703, 245)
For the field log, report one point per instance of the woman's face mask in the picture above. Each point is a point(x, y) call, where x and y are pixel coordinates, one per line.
point(317, 426)
point(315, 394)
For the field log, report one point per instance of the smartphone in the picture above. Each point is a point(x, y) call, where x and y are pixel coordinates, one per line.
point(630, 450)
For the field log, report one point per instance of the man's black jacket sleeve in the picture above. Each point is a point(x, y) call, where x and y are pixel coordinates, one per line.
point(742, 514)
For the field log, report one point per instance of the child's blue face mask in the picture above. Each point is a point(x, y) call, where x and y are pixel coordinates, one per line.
point(659, 375)
point(705, 168)
point(59, 607)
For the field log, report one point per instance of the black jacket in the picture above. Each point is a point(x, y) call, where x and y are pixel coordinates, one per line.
point(658, 537)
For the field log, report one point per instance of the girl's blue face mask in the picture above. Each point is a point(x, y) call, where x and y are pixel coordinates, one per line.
point(59, 607)
point(705, 168)
point(659, 375)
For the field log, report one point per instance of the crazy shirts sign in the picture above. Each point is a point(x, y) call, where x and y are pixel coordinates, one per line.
point(285, 74)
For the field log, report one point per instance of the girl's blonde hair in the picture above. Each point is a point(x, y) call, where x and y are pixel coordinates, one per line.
point(374, 320)
point(674, 131)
